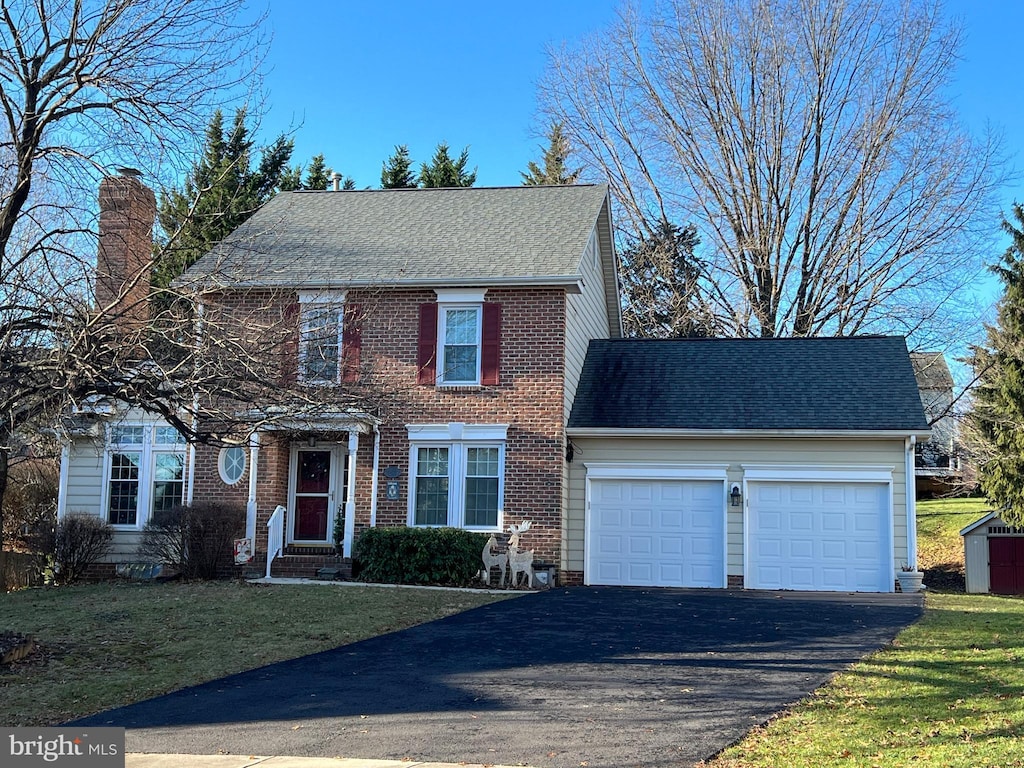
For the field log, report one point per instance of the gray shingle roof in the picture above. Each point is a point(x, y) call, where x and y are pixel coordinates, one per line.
point(855, 383)
point(390, 237)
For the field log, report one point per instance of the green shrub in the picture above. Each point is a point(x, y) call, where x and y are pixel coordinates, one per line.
point(196, 540)
point(441, 556)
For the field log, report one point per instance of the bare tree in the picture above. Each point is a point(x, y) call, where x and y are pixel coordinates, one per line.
point(813, 144)
point(87, 85)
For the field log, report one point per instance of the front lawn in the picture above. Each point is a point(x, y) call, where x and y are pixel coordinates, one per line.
point(949, 692)
point(105, 645)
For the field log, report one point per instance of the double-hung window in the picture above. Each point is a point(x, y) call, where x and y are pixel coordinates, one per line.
point(459, 347)
point(321, 317)
point(458, 475)
point(145, 472)
point(459, 343)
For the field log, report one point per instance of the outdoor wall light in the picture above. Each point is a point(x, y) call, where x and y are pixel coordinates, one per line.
point(734, 496)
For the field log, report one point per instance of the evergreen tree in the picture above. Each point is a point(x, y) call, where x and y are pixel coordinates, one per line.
point(291, 179)
point(445, 172)
point(318, 177)
point(396, 172)
point(555, 158)
point(659, 273)
point(996, 422)
point(221, 191)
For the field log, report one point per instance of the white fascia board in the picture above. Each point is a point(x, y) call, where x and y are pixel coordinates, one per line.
point(854, 473)
point(654, 471)
point(978, 523)
point(571, 283)
point(457, 431)
point(712, 434)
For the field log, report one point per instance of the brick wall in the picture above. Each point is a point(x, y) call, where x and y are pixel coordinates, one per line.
point(528, 397)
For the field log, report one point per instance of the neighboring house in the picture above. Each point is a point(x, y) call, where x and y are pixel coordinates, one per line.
point(937, 464)
point(766, 463)
point(491, 317)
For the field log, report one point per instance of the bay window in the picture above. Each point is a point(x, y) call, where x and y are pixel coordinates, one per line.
point(145, 472)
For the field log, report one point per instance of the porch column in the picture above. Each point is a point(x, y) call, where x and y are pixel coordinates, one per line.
point(250, 505)
point(350, 498)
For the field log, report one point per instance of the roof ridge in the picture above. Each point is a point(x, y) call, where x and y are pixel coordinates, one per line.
point(523, 187)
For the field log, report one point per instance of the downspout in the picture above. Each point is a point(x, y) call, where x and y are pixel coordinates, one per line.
point(373, 478)
point(62, 487)
point(250, 506)
point(191, 487)
point(350, 502)
point(911, 442)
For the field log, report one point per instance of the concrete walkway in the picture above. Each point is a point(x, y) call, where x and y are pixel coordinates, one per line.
point(140, 760)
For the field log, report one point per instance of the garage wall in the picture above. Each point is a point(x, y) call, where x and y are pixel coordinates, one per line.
point(734, 452)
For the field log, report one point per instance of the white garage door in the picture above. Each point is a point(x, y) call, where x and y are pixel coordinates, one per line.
point(819, 536)
point(656, 533)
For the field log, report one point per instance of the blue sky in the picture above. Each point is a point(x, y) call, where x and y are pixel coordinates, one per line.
point(354, 78)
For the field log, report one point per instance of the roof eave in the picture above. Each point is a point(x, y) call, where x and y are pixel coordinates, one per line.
point(854, 434)
point(571, 283)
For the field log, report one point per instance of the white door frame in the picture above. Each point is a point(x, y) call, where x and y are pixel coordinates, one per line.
point(335, 499)
point(803, 473)
point(654, 471)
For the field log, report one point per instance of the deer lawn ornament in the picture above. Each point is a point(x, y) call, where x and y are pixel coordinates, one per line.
point(518, 561)
point(492, 559)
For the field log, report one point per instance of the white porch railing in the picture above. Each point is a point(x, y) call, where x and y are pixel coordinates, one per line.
point(275, 536)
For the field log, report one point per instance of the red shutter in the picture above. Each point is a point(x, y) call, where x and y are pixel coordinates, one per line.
point(426, 359)
point(289, 368)
point(351, 342)
point(490, 352)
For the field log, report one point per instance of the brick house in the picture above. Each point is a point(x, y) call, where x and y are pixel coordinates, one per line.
point(465, 312)
point(452, 357)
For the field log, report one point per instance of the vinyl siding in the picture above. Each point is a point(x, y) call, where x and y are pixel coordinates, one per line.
point(734, 452)
point(85, 477)
point(586, 318)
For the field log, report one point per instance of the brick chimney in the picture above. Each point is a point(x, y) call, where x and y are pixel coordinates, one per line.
point(125, 257)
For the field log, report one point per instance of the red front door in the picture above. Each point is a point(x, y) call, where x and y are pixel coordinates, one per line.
point(312, 495)
point(1006, 565)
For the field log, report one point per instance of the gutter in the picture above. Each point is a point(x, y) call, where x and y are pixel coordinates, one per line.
point(856, 434)
point(572, 283)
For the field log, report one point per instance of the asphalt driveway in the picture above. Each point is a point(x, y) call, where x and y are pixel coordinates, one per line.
point(585, 676)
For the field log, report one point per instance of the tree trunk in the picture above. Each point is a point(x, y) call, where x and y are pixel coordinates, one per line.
point(4, 465)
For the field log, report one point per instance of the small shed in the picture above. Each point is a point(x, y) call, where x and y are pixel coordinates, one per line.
point(994, 556)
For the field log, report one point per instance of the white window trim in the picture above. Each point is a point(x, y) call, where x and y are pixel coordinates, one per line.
point(148, 450)
point(314, 299)
point(442, 322)
point(222, 458)
point(457, 438)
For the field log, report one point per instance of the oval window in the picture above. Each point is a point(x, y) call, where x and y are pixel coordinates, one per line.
point(232, 464)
